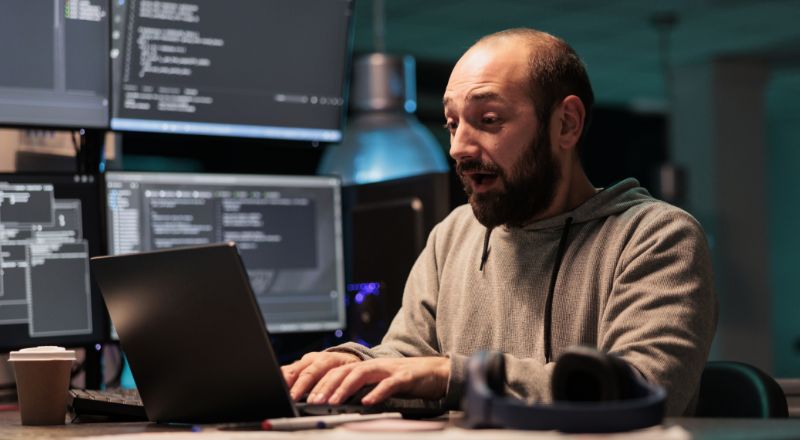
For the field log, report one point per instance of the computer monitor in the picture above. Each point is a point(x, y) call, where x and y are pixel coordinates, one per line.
point(287, 228)
point(49, 227)
point(55, 65)
point(246, 68)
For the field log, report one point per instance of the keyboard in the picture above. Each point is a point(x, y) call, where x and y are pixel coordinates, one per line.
point(117, 405)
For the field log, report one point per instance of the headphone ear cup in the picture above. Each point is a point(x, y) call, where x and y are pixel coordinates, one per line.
point(495, 369)
point(583, 374)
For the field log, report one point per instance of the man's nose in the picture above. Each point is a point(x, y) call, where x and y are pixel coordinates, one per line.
point(464, 144)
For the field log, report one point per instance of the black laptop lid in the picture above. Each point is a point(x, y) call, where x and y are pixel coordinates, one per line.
point(194, 335)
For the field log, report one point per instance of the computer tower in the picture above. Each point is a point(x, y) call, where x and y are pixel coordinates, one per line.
point(386, 226)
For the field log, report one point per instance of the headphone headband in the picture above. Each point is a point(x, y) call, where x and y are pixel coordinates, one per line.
point(484, 406)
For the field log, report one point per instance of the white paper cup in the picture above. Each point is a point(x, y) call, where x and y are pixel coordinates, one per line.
point(42, 375)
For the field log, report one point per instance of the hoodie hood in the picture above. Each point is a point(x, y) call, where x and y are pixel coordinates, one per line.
point(608, 201)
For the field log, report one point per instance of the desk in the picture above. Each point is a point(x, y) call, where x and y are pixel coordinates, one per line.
point(711, 429)
point(11, 428)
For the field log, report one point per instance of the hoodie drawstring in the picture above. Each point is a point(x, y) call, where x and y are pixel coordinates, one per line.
point(548, 305)
point(485, 255)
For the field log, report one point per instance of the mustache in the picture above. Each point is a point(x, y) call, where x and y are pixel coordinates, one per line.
point(477, 166)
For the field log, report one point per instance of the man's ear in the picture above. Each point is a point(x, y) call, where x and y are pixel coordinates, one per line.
point(571, 115)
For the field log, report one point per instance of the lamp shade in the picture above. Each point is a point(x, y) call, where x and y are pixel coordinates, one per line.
point(383, 139)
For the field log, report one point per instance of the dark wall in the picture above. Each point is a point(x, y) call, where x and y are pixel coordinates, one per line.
point(621, 143)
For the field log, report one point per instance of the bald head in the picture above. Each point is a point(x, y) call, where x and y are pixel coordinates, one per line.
point(552, 69)
point(503, 66)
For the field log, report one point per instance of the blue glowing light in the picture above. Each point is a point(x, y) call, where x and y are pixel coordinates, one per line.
point(339, 333)
point(363, 290)
point(98, 347)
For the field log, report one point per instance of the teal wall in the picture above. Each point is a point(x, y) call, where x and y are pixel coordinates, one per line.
point(783, 162)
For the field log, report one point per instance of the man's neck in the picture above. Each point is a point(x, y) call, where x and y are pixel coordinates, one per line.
point(574, 189)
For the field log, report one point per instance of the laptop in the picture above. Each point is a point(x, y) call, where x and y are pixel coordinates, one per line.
point(197, 343)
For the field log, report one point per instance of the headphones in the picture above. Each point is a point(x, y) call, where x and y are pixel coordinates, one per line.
point(592, 392)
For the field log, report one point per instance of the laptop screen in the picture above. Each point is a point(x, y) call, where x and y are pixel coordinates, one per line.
point(287, 228)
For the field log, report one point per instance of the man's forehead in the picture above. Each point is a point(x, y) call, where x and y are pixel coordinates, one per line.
point(488, 73)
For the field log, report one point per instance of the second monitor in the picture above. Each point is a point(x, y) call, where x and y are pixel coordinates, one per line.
point(287, 228)
point(245, 68)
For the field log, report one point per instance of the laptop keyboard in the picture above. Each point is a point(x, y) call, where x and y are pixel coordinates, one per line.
point(105, 405)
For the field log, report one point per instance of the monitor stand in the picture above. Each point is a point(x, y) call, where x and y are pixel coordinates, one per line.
point(91, 155)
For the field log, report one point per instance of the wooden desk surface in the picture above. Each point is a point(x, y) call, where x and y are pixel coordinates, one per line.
point(712, 429)
point(11, 428)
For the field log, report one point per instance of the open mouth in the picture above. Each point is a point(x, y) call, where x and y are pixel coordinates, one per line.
point(481, 181)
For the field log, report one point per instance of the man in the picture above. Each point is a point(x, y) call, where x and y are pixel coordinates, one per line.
point(540, 260)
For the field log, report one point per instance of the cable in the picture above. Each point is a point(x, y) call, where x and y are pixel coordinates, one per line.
point(79, 142)
point(77, 368)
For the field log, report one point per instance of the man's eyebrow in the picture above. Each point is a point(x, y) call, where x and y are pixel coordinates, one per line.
point(479, 96)
point(485, 96)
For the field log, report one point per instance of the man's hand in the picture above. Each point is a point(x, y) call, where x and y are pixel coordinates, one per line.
point(301, 375)
point(424, 377)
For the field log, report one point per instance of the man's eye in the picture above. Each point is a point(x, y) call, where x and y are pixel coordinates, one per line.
point(450, 126)
point(490, 120)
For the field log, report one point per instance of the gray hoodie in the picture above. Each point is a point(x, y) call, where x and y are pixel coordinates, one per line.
point(623, 272)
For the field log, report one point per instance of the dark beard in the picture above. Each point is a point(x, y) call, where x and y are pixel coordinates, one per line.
point(529, 189)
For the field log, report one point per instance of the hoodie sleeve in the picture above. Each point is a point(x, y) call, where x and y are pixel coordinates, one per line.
point(662, 313)
point(413, 330)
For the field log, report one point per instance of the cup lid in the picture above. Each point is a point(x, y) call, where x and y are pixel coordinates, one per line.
point(42, 353)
